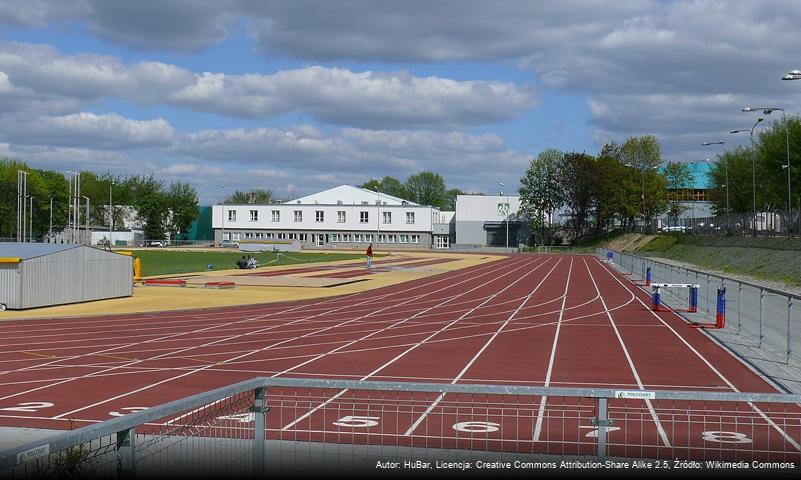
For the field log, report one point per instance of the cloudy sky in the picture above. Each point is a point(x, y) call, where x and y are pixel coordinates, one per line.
point(302, 95)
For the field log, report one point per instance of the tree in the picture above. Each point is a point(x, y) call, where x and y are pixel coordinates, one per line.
point(181, 202)
point(541, 192)
point(256, 196)
point(147, 196)
point(644, 155)
point(578, 175)
point(678, 178)
point(427, 188)
point(450, 198)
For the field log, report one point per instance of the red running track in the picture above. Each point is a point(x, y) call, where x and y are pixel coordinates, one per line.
point(548, 320)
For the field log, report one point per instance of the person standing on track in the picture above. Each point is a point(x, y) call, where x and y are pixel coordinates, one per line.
point(370, 256)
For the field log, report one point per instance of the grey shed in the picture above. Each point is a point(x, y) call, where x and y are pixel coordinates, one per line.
point(42, 274)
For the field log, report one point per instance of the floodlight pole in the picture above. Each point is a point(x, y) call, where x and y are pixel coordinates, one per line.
point(222, 215)
point(86, 232)
point(753, 172)
point(768, 111)
point(110, 211)
point(506, 214)
point(30, 230)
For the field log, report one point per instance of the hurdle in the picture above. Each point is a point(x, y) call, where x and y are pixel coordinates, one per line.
point(656, 297)
point(720, 313)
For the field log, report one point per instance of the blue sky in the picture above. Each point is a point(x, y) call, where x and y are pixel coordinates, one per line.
point(300, 96)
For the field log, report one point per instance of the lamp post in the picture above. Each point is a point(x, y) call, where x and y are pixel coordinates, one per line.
point(86, 231)
point(793, 75)
point(222, 214)
point(507, 218)
point(110, 211)
point(30, 230)
point(726, 163)
point(753, 171)
point(768, 111)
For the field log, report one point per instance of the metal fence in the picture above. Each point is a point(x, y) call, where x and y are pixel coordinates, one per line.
point(758, 319)
point(764, 223)
point(291, 424)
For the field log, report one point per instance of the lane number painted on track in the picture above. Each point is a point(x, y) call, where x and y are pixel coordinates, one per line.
point(725, 437)
point(355, 421)
point(477, 427)
point(28, 407)
point(593, 433)
point(127, 411)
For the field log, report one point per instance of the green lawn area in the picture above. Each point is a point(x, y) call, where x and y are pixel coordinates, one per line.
point(163, 262)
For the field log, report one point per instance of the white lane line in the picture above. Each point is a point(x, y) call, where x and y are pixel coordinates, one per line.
point(698, 354)
point(654, 416)
point(332, 301)
point(410, 349)
point(434, 404)
point(543, 400)
point(472, 277)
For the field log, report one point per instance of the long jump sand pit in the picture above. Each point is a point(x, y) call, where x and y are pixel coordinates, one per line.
point(276, 281)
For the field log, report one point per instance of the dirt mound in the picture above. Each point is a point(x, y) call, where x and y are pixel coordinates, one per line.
point(629, 242)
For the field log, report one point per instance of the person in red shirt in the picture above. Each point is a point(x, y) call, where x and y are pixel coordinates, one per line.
point(370, 256)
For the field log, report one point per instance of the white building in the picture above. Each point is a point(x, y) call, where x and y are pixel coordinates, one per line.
point(345, 216)
point(488, 221)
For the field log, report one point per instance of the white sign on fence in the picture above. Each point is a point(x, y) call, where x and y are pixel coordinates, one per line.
point(635, 394)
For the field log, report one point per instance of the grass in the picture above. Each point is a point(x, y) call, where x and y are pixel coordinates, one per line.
point(164, 262)
point(661, 243)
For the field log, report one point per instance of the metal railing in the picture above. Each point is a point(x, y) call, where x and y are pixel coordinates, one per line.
point(282, 424)
point(766, 223)
point(761, 318)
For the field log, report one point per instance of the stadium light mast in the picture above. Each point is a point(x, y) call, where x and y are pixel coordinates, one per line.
point(87, 218)
point(753, 171)
point(726, 163)
point(768, 111)
point(506, 214)
point(222, 214)
point(110, 212)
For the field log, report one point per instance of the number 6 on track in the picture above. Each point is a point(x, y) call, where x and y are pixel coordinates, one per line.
point(476, 427)
point(355, 421)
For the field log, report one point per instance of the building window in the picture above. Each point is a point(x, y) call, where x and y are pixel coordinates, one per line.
point(416, 239)
point(248, 235)
point(382, 238)
point(365, 202)
point(276, 216)
point(259, 235)
point(334, 238)
point(409, 217)
point(282, 236)
point(231, 215)
point(387, 217)
point(303, 237)
point(346, 237)
point(254, 215)
point(392, 238)
point(319, 216)
point(341, 216)
point(368, 238)
point(298, 215)
point(364, 217)
point(292, 236)
point(269, 236)
point(441, 242)
point(358, 238)
point(236, 237)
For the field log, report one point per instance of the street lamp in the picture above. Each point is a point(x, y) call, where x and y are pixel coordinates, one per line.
point(793, 75)
point(507, 218)
point(726, 163)
point(222, 214)
point(87, 218)
point(110, 212)
point(768, 111)
point(753, 170)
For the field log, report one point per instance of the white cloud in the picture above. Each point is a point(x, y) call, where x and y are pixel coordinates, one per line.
point(88, 130)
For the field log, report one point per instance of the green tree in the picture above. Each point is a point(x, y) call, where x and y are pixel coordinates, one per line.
point(678, 179)
point(644, 155)
point(450, 198)
point(579, 176)
point(739, 181)
point(427, 188)
point(542, 193)
point(256, 196)
point(182, 205)
point(146, 195)
point(771, 158)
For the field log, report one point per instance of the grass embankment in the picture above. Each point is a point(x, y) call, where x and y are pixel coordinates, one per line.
point(763, 258)
point(163, 262)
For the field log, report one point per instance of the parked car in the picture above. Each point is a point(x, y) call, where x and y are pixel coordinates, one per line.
point(229, 244)
point(157, 243)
